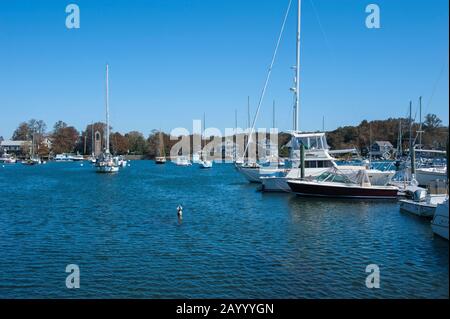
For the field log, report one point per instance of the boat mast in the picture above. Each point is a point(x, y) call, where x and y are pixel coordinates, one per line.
point(203, 132)
point(411, 146)
point(297, 69)
point(107, 110)
point(273, 115)
point(399, 141)
point(92, 138)
point(235, 135)
point(420, 125)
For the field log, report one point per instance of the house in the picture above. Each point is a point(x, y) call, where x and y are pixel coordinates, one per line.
point(381, 149)
point(14, 147)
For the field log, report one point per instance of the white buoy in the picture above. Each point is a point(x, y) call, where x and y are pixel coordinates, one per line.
point(81, 164)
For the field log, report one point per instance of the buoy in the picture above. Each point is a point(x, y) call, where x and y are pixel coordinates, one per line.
point(81, 165)
point(180, 211)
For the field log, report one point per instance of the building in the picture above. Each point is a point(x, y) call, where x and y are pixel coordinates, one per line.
point(14, 147)
point(382, 149)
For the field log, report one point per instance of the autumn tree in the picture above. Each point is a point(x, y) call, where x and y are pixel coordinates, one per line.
point(119, 144)
point(64, 138)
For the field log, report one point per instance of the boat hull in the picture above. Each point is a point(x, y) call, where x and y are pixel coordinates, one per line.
point(314, 189)
point(107, 169)
point(419, 209)
point(439, 224)
point(427, 176)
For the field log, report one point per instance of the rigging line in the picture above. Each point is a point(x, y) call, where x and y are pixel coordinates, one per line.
point(322, 30)
point(268, 76)
point(436, 83)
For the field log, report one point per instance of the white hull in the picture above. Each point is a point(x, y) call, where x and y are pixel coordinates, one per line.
point(439, 224)
point(253, 174)
point(107, 169)
point(426, 176)
point(279, 184)
point(7, 161)
point(423, 209)
point(206, 164)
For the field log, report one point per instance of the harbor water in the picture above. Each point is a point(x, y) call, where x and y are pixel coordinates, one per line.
point(233, 241)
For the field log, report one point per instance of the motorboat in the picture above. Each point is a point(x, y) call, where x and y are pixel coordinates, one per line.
point(422, 204)
point(334, 184)
point(7, 159)
point(121, 161)
point(160, 159)
point(439, 224)
point(206, 163)
point(427, 175)
point(182, 161)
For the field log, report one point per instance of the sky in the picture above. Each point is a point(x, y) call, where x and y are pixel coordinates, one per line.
point(171, 61)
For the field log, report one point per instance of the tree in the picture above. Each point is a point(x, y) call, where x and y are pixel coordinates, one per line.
point(119, 144)
point(136, 142)
point(21, 133)
point(64, 138)
point(154, 145)
point(432, 122)
point(37, 127)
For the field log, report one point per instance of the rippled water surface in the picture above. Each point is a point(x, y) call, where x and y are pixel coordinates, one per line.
point(233, 242)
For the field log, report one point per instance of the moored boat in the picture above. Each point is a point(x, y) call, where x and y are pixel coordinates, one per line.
point(106, 162)
point(183, 161)
point(422, 204)
point(333, 184)
point(439, 224)
point(160, 160)
point(7, 159)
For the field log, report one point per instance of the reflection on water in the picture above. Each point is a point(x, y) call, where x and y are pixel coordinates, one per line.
point(233, 241)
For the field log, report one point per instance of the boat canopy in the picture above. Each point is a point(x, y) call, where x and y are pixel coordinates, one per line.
point(311, 141)
point(337, 175)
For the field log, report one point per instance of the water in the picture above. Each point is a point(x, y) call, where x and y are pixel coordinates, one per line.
point(233, 242)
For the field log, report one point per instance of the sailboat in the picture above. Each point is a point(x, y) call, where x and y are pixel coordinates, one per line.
point(34, 159)
point(161, 159)
point(204, 163)
point(106, 162)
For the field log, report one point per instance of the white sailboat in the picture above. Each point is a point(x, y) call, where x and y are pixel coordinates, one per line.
point(106, 162)
point(161, 159)
point(204, 162)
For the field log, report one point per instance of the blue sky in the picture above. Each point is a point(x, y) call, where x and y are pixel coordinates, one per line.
point(172, 60)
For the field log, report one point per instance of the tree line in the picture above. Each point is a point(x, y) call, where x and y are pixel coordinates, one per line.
point(65, 138)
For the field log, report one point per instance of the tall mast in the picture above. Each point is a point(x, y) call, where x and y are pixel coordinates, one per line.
point(410, 128)
point(203, 133)
point(420, 125)
point(235, 134)
point(400, 139)
point(92, 138)
point(297, 69)
point(107, 110)
point(273, 115)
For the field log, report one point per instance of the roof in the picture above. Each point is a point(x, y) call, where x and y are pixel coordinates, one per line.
point(383, 143)
point(12, 143)
point(302, 134)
